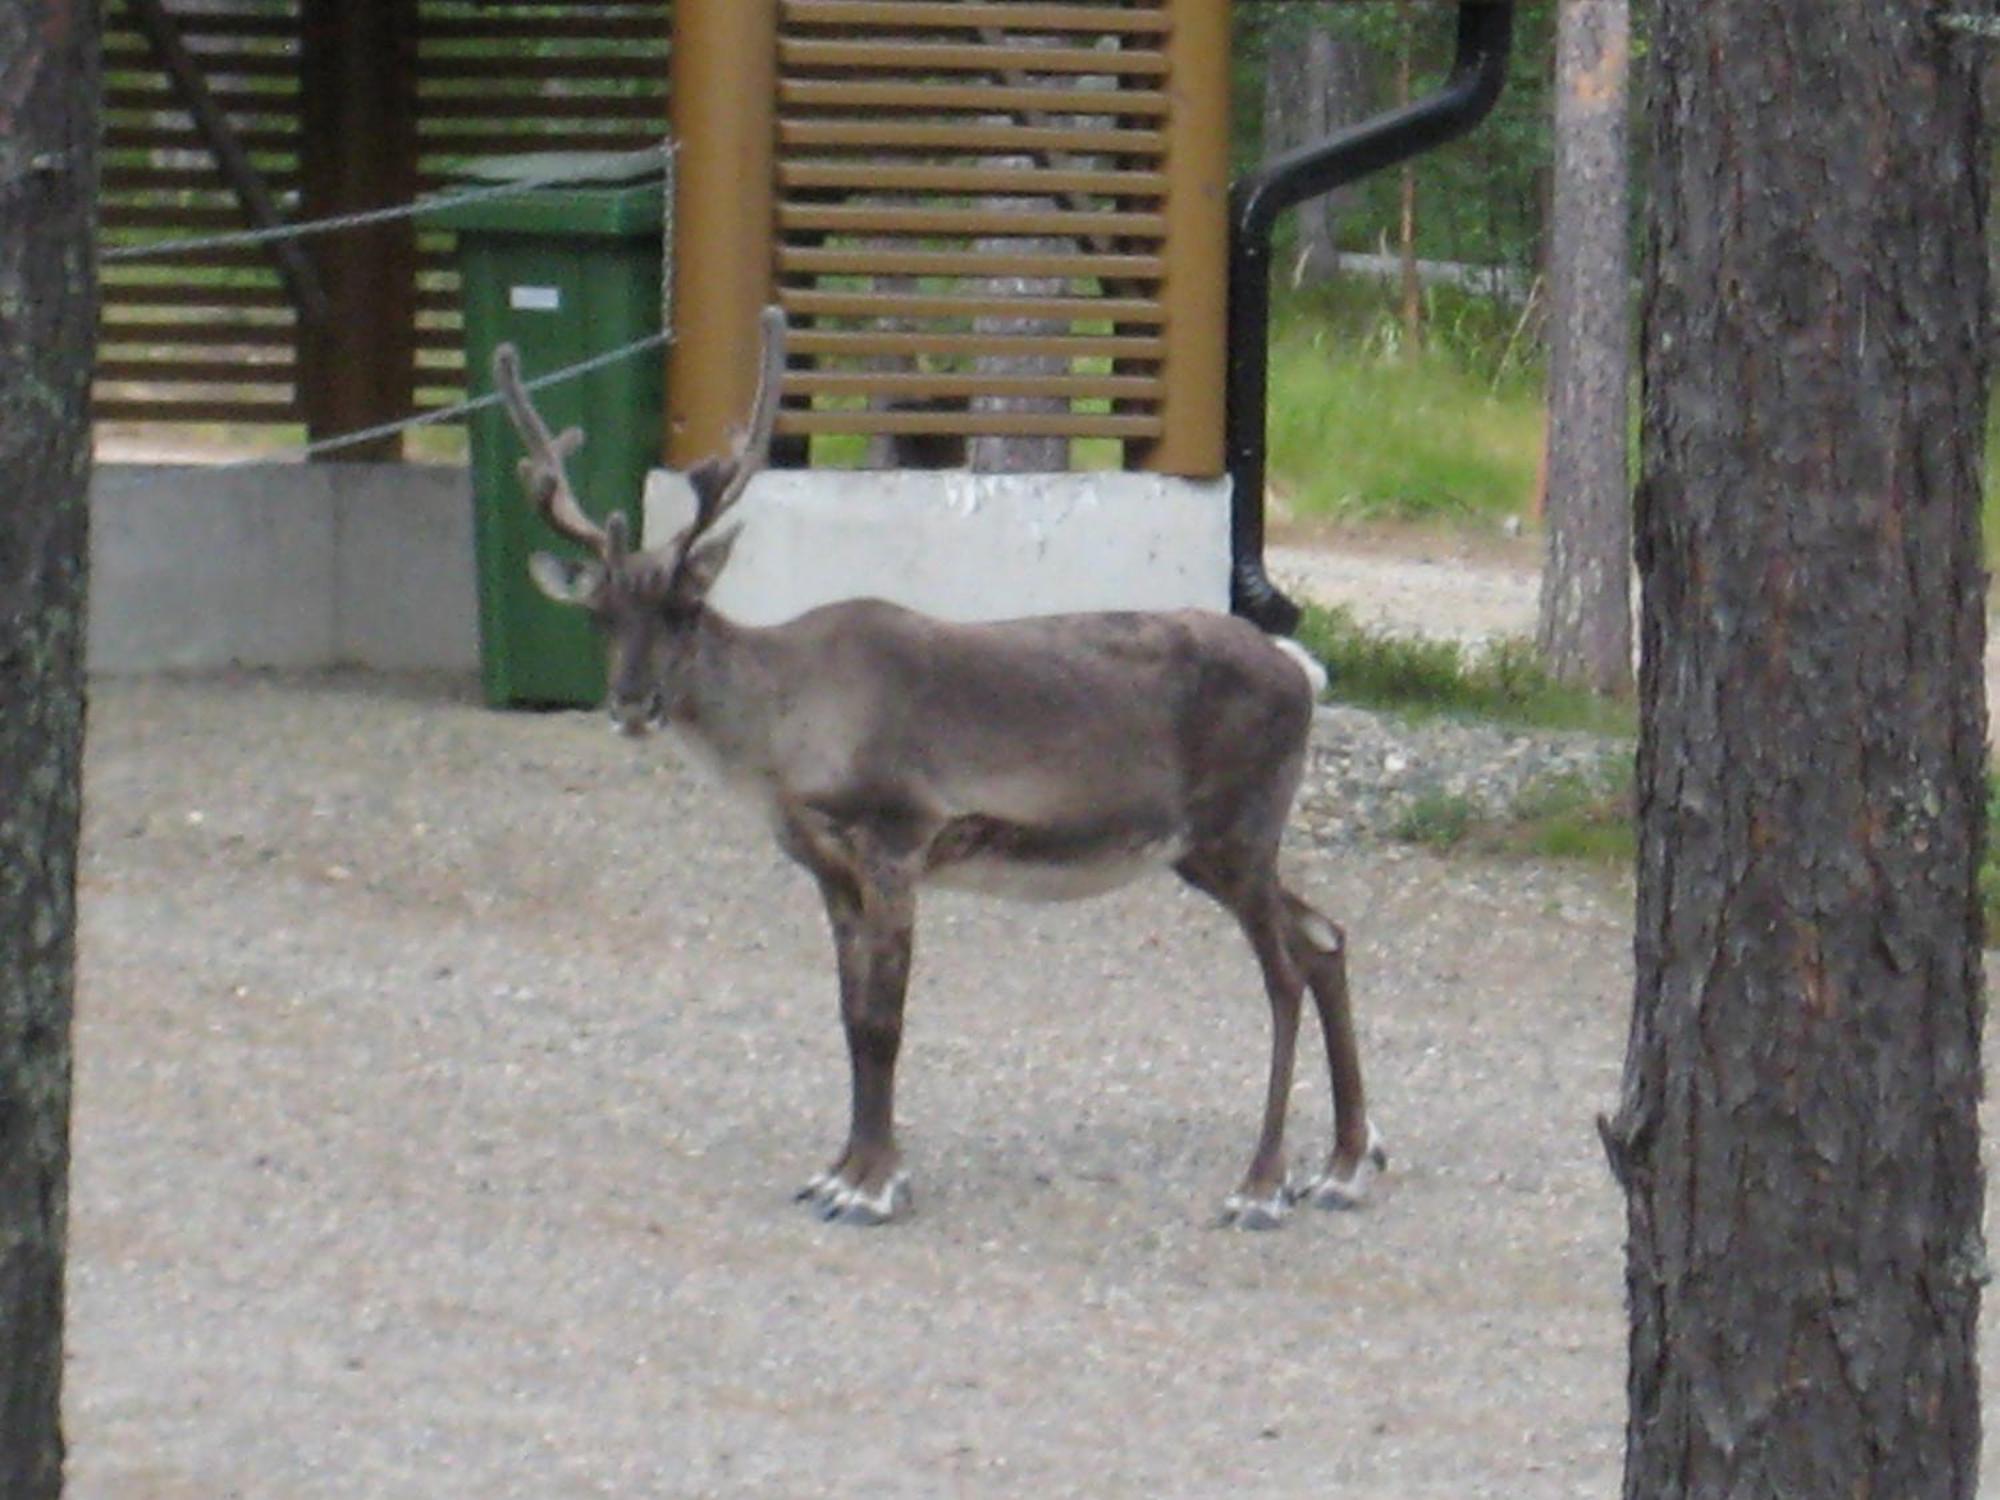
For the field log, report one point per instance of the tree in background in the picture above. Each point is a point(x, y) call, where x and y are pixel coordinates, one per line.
point(1798, 1136)
point(1584, 629)
point(48, 180)
point(1316, 74)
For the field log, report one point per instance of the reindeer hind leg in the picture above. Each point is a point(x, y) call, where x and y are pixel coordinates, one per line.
point(1256, 901)
point(1319, 946)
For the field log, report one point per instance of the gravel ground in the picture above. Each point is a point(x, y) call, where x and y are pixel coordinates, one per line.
point(443, 1077)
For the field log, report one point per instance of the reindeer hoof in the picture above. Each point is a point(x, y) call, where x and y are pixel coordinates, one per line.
point(1241, 1211)
point(836, 1200)
point(1336, 1188)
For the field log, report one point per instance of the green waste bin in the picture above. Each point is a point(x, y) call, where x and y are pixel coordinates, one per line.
point(566, 271)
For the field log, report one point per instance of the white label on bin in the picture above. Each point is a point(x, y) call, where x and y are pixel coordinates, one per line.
point(535, 298)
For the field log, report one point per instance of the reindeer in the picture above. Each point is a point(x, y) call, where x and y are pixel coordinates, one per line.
point(1044, 759)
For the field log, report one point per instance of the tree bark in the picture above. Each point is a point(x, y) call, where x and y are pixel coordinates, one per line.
point(1798, 1136)
point(1413, 291)
point(48, 297)
point(1314, 86)
point(1584, 630)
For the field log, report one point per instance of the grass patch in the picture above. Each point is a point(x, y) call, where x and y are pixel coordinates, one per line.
point(1584, 818)
point(1502, 680)
point(1576, 817)
point(1363, 430)
point(1439, 821)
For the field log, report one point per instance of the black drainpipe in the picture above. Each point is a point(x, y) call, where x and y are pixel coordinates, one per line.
point(1485, 28)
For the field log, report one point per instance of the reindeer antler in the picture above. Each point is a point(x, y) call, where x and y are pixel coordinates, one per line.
point(753, 444)
point(542, 473)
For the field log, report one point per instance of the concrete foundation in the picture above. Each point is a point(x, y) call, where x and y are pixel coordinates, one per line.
point(966, 546)
point(196, 568)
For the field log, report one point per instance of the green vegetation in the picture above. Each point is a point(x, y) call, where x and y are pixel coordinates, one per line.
point(1362, 430)
point(1572, 816)
point(1501, 680)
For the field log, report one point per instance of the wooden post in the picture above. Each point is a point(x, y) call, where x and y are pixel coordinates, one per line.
point(359, 151)
point(1197, 243)
point(724, 110)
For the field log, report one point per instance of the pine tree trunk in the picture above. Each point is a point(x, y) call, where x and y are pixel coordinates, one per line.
point(1798, 1135)
point(1314, 86)
point(48, 178)
point(1585, 624)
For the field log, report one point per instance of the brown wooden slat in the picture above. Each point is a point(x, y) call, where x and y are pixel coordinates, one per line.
point(132, 56)
point(933, 15)
point(800, 260)
point(120, 180)
point(184, 371)
point(157, 93)
point(108, 408)
point(878, 343)
point(973, 423)
point(188, 335)
point(193, 296)
point(194, 24)
point(970, 137)
point(187, 218)
point(251, 258)
point(946, 57)
point(894, 306)
point(1022, 182)
point(978, 99)
point(933, 383)
point(983, 223)
point(166, 138)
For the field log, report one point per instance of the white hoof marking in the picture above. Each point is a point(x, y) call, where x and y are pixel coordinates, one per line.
point(1333, 1190)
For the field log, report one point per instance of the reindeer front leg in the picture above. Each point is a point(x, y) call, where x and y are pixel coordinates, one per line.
point(872, 914)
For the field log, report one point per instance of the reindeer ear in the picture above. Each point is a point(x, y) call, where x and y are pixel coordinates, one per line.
point(567, 580)
point(701, 567)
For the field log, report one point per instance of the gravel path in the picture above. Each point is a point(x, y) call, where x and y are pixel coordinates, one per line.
point(443, 1075)
point(1413, 592)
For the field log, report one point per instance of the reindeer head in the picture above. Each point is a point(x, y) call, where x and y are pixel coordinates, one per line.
point(646, 603)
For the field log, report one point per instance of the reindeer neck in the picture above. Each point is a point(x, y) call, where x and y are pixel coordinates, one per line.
point(723, 698)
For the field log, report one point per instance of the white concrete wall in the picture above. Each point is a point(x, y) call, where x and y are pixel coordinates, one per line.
point(966, 546)
point(197, 567)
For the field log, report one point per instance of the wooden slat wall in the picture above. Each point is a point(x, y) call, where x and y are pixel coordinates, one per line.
point(500, 77)
point(916, 140)
point(202, 337)
point(211, 336)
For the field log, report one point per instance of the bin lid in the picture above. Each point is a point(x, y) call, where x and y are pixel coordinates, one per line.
point(573, 194)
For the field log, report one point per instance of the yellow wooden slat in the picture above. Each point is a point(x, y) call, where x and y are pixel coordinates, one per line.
point(947, 15)
point(866, 260)
point(894, 306)
point(984, 223)
point(886, 343)
point(1020, 182)
point(969, 138)
point(968, 98)
point(932, 383)
point(972, 423)
point(945, 57)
